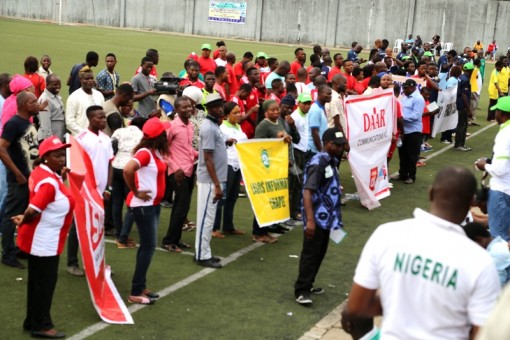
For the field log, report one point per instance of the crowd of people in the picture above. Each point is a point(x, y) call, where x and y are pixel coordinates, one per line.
point(183, 136)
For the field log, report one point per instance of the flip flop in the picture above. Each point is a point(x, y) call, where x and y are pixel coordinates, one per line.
point(141, 300)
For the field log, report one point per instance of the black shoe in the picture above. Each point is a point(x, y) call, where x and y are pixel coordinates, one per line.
point(47, 335)
point(276, 230)
point(317, 290)
point(215, 259)
point(13, 263)
point(304, 299)
point(22, 255)
point(209, 263)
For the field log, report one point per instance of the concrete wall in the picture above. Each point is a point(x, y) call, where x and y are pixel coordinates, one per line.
point(327, 22)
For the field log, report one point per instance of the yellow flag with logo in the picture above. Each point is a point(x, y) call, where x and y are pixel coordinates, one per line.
point(265, 169)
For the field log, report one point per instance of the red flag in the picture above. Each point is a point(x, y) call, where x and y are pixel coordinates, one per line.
point(89, 219)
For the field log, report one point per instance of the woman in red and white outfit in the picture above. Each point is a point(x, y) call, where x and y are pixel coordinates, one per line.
point(145, 175)
point(42, 234)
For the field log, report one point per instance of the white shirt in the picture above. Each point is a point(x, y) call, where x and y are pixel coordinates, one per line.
point(237, 134)
point(335, 108)
point(435, 283)
point(76, 109)
point(301, 124)
point(220, 62)
point(500, 167)
point(127, 138)
point(301, 87)
point(99, 148)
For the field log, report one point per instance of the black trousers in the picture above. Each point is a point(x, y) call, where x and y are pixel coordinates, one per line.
point(461, 130)
point(226, 206)
point(180, 209)
point(310, 261)
point(491, 114)
point(42, 279)
point(296, 184)
point(409, 154)
point(15, 204)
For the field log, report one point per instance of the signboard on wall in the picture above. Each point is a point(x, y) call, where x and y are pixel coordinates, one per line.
point(230, 12)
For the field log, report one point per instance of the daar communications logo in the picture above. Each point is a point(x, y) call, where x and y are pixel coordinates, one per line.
point(264, 157)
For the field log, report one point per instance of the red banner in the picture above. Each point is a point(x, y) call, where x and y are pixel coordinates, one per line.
point(89, 219)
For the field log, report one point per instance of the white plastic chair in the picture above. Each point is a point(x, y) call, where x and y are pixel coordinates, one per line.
point(398, 46)
point(447, 47)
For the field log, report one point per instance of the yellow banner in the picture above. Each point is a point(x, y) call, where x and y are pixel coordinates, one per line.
point(265, 169)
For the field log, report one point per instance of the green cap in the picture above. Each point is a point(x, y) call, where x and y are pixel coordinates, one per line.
point(206, 47)
point(304, 97)
point(503, 104)
point(428, 54)
point(262, 55)
point(468, 66)
point(406, 57)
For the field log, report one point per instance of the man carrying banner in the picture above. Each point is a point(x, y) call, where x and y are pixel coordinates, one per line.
point(321, 211)
point(409, 153)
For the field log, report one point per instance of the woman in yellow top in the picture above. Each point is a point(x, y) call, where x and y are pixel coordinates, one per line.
point(494, 90)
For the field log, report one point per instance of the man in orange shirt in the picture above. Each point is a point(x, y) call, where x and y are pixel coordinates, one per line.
point(238, 68)
point(351, 80)
point(233, 84)
point(207, 63)
point(299, 62)
point(338, 59)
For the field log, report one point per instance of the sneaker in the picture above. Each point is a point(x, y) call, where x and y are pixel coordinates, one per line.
point(462, 148)
point(409, 181)
point(209, 263)
point(165, 204)
point(304, 299)
point(317, 290)
point(14, 263)
point(395, 177)
point(75, 270)
point(446, 142)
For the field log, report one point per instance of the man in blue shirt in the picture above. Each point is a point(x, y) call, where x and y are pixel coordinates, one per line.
point(320, 210)
point(409, 153)
point(352, 55)
point(317, 120)
point(463, 107)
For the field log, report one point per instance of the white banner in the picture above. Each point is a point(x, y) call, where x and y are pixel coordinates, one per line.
point(230, 12)
point(370, 124)
point(448, 116)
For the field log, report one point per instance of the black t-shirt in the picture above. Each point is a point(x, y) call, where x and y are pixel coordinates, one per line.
point(23, 148)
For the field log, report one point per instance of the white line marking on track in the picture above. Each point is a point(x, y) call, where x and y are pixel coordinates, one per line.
point(168, 290)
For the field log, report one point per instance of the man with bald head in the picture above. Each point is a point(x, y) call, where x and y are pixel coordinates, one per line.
point(18, 150)
point(280, 72)
point(51, 119)
point(427, 276)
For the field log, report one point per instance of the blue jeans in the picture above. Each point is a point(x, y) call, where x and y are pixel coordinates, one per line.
point(3, 188)
point(147, 221)
point(498, 208)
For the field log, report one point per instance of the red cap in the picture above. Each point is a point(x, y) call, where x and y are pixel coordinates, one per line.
point(153, 128)
point(51, 144)
point(193, 56)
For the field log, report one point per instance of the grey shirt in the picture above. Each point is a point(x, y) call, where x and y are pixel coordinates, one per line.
point(142, 84)
point(211, 139)
point(54, 112)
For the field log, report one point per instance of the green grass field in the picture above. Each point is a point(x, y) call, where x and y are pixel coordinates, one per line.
point(252, 297)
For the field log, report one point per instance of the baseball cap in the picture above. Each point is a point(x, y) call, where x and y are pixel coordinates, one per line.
point(153, 128)
point(262, 55)
point(51, 144)
point(503, 104)
point(406, 57)
point(428, 54)
point(334, 135)
point(468, 67)
point(408, 83)
point(193, 56)
point(213, 98)
point(206, 47)
point(304, 97)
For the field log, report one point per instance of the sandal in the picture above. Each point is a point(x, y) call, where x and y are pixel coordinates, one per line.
point(172, 248)
point(151, 295)
point(141, 300)
point(218, 234)
point(420, 164)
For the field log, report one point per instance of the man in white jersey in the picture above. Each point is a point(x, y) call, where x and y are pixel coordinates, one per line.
point(423, 274)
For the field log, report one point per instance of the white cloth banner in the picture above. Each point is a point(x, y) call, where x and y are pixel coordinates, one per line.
point(370, 124)
point(448, 116)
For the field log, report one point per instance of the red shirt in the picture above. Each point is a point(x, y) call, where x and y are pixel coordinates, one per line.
point(238, 70)
point(334, 71)
point(273, 96)
point(359, 87)
point(186, 82)
point(351, 81)
point(38, 81)
point(151, 177)
point(154, 71)
point(232, 80)
point(206, 65)
point(294, 67)
point(46, 234)
point(425, 120)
